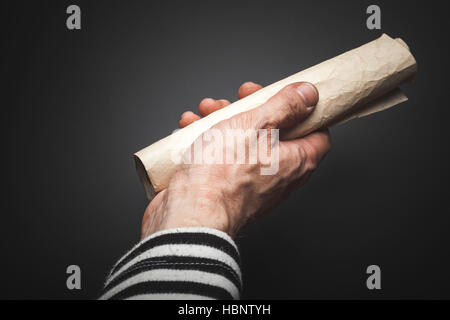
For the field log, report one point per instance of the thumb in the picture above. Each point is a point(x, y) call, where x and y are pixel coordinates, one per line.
point(290, 106)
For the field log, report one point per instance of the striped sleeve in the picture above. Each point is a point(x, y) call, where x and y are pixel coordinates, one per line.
point(184, 263)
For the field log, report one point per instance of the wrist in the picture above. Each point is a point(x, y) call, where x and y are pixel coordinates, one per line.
point(190, 205)
point(198, 212)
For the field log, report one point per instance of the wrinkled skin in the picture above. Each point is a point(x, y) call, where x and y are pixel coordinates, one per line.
point(227, 196)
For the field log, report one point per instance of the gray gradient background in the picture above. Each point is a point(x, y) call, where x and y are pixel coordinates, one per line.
point(77, 104)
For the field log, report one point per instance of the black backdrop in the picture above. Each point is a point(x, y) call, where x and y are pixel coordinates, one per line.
point(77, 104)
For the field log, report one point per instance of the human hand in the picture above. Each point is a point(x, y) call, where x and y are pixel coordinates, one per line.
point(227, 196)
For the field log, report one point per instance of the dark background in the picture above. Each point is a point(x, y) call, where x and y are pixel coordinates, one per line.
point(77, 104)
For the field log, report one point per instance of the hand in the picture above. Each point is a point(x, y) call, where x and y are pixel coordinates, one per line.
point(227, 196)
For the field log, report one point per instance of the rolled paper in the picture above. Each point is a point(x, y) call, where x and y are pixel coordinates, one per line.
point(357, 83)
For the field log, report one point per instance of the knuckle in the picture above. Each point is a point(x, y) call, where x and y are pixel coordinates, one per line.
point(311, 157)
point(261, 119)
point(301, 155)
point(296, 165)
point(289, 104)
point(292, 101)
point(311, 166)
point(291, 96)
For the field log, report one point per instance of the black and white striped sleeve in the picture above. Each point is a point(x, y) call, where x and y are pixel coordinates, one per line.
point(184, 263)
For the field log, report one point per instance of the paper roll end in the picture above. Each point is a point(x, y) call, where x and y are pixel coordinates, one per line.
point(144, 178)
point(403, 43)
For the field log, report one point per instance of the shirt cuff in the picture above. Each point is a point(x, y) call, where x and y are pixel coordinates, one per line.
point(182, 263)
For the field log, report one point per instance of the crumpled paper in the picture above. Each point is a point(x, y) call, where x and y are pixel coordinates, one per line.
point(357, 83)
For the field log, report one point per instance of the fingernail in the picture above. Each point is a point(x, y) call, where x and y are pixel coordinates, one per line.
point(309, 94)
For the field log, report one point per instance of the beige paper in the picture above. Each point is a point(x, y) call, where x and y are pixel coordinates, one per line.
point(354, 84)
